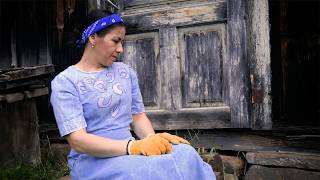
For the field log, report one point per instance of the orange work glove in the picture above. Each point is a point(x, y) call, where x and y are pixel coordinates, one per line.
point(172, 138)
point(152, 145)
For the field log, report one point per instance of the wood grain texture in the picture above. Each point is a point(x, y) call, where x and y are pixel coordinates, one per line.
point(265, 173)
point(27, 72)
point(285, 159)
point(19, 138)
point(203, 56)
point(141, 51)
point(253, 141)
point(239, 81)
point(259, 57)
point(178, 14)
point(169, 69)
point(191, 118)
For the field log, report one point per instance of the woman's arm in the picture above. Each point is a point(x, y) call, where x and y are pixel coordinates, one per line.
point(141, 125)
point(94, 145)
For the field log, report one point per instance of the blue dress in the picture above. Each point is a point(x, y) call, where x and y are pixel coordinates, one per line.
point(103, 103)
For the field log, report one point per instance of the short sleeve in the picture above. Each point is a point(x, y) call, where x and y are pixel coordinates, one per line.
point(137, 105)
point(66, 105)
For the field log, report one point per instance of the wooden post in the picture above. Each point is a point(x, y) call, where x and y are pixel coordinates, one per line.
point(19, 138)
point(259, 58)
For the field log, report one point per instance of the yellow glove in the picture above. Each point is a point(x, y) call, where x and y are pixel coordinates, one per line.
point(172, 138)
point(152, 145)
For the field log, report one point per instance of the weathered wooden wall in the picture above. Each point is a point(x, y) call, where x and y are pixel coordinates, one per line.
point(19, 137)
point(25, 33)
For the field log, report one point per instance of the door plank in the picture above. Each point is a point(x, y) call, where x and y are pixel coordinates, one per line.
point(169, 69)
point(141, 51)
point(239, 79)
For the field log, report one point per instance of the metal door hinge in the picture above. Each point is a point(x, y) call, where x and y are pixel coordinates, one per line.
point(256, 93)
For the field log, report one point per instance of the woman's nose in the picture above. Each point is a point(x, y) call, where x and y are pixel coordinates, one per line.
point(119, 48)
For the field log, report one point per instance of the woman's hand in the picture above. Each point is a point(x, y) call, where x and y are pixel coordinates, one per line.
point(172, 138)
point(152, 145)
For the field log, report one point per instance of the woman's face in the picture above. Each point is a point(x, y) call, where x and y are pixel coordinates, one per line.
point(108, 47)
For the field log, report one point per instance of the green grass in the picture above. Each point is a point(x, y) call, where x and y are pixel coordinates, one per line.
point(47, 169)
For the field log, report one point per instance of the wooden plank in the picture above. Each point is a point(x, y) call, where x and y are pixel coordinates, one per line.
point(285, 159)
point(15, 97)
point(169, 69)
point(190, 118)
point(175, 15)
point(25, 72)
point(141, 51)
point(253, 141)
point(140, 3)
point(202, 58)
point(266, 173)
point(239, 66)
point(259, 57)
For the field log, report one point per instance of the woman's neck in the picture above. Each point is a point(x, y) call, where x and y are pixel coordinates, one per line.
point(88, 64)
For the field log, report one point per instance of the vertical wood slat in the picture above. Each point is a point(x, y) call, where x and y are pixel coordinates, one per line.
point(169, 69)
point(239, 70)
point(203, 67)
point(140, 52)
point(259, 51)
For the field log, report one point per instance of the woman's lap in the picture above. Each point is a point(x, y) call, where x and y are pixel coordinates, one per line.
point(183, 163)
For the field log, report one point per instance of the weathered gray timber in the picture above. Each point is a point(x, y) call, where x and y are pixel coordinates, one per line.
point(203, 62)
point(285, 159)
point(193, 118)
point(266, 173)
point(25, 72)
point(175, 14)
point(169, 69)
point(240, 103)
point(254, 141)
point(191, 78)
point(141, 53)
point(259, 58)
point(19, 138)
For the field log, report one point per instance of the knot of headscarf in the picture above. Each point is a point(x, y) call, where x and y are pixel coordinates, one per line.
point(97, 26)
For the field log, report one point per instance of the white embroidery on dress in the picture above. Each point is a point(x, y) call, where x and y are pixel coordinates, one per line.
point(110, 77)
point(117, 88)
point(123, 73)
point(104, 102)
point(100, 86)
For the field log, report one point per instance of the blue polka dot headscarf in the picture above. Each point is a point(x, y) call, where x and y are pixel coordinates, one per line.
point(97, 26)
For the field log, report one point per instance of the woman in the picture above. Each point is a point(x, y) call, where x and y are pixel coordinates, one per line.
point(97, 100)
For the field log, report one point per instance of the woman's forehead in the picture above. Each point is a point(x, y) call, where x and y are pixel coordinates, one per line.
point(118, 31)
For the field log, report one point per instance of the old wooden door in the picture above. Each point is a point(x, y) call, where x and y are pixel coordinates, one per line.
point(191, 61)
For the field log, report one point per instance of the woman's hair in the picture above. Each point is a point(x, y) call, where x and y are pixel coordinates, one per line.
point(98, 14)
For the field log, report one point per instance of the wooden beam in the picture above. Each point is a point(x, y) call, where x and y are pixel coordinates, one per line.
point(250, 141)
point(26, 72)
point(285, 159)
point(263, 173)
point(15, 97)
point(175, 15)
point(191, 118)
point(239, 81)
point(259, 57)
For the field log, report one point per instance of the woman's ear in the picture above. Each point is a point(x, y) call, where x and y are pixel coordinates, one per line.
point(93, 39)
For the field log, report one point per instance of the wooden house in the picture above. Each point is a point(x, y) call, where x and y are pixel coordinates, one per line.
point(243, 74)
